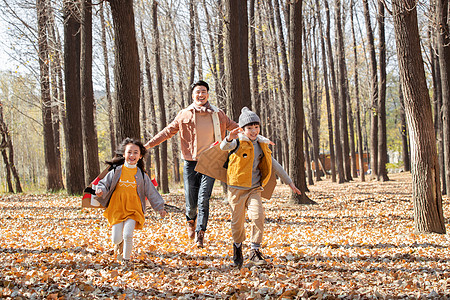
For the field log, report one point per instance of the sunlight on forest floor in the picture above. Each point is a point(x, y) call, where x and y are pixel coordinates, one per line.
point(357, 243)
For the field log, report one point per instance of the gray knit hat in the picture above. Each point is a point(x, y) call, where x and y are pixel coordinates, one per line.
point(247, 117)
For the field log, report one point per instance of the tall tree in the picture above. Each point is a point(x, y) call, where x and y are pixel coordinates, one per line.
point(192, 41)
point(160, 90)
point(382, 134)
point(73, 136)
point(443, 33)
point(343, 95)
point(335, 94)
point(109, 100)
point(296, 122)
point(327, 94)
point(374, 92)
point(427, 198)
point(87, 95)
point(236, 52)
point(126, 69)
point(358, 113)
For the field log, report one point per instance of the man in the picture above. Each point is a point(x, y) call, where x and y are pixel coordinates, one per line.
point(200, 125)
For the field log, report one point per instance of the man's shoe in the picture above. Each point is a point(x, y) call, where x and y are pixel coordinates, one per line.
point(200, 238)
point(118, 251)
point(256, 258)
point(238, 259)
point(190, 226)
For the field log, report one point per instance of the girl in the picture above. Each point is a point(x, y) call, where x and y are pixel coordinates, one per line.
point(123, 191)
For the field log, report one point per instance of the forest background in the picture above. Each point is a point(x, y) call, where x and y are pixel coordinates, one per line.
point(20, 88)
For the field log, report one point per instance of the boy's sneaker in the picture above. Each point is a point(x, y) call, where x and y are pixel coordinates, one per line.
point(118, 250)
point(190, 226)
point(256, 257)
point(200, 238)
point(238, 259)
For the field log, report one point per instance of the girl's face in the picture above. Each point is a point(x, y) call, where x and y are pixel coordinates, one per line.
point(132, 154)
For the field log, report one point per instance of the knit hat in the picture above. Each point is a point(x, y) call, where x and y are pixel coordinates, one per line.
point(247, 117)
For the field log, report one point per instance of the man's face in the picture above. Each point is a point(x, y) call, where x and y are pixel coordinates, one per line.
point(252, 131)
point(200, 95)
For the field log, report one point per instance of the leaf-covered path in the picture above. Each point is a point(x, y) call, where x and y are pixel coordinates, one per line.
point(358, 242)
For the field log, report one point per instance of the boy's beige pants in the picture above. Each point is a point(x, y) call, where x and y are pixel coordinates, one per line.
point(240, 201)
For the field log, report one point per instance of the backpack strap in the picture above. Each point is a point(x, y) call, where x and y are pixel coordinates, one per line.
point(216, 124)
point(225, 165)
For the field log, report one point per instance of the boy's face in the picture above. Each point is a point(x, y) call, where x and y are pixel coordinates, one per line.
point(252, 131)
point(200, 95)
point(132, 154)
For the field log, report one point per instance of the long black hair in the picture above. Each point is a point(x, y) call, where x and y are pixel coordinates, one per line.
point(119, 158)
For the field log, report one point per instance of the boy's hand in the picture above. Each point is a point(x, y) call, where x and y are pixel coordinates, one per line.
point(99, 192)
point(162, 213)
point(234, 133)
point(295, 189)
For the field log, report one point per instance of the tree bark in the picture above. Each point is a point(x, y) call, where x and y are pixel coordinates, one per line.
point(404, 133)
point(152, 122)
point(358, 113)
point(427, 198)
point(296, 122)
point(90, 141)
point(256, 106)
point(159, 82)
point(109, 100)
point(343, 93)
point(382, 134)
point(191, 42)
point(73, 136)
point(126, 69)
point(442, 8)
point(334, 89)
point(374, 92)
point(53, 184)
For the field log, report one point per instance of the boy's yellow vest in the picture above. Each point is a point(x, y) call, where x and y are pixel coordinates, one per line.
point(239, 171)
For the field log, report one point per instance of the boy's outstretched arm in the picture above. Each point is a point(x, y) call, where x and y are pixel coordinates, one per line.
point(294, 188)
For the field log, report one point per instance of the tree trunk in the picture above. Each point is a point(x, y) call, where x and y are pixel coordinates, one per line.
point(374, 91)
point(343, 94)
point(358, 113)
point(327, 95)
point(109, 100)
point(73, 135)
point(442, 8)
point(404, 132)
point(153, 123)
point(437, 100)
point(126, 69)
point(296, 122)
point(90, 141)
point(53, 184)
point(256, 106)
point(192, 42)
point(159, 82)
point(334, 89)
point(427, 198)
point(382, 134)
point(55, 67)
point(221, 98)
point(5, 143)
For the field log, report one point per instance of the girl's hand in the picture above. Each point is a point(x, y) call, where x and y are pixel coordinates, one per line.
point(99, 192)
point(295, 189)
point(234, 133)
point(162, 213)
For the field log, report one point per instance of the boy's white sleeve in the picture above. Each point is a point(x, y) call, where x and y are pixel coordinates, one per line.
point(280, 172)
point(227, 146)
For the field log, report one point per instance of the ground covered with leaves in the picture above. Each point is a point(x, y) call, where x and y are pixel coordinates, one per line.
point(357, 243)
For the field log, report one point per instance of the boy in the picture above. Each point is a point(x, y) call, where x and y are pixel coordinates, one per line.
point(249, 170)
